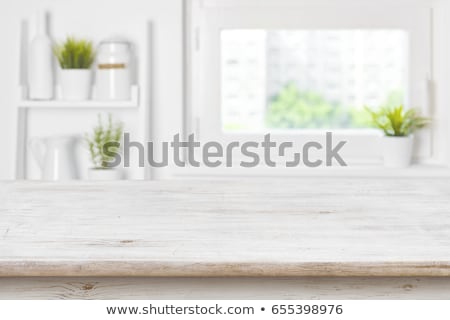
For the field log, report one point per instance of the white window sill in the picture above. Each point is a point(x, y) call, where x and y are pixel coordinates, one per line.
point(414, 171)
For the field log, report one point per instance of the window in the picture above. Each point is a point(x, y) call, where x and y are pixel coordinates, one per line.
point(300, 79)
point(297, 69)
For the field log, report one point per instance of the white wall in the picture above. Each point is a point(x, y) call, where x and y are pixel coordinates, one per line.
point(98, 19)
point(102, 18)
point(441, 75)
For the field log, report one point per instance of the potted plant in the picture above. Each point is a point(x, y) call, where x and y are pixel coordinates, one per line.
point(102, 134)
point(75, 58)
point(398, 126)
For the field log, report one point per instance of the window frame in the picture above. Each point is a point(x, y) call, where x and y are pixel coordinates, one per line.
point(208, 17)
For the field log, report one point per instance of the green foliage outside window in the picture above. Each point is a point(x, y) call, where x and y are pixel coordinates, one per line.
point(295, 109)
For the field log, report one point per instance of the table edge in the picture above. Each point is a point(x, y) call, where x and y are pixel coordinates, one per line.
point(140, 268)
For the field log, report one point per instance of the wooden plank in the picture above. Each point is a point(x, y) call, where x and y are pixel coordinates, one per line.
point(263, 227)
point(218, 288)
point(21, 140)
point(220, 269)
point(94, 104)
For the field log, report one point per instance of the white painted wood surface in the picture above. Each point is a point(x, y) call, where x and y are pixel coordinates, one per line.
point(59, 103)
point(220, 288)
point(252, 228)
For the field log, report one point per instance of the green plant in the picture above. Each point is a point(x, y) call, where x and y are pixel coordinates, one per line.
point(102, 134)
point(396, 121)
point(74, 54)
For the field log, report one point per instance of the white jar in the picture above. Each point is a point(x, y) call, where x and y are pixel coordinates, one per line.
point(113, 73)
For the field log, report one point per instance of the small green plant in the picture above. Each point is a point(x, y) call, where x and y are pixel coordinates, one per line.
point(75, 54)
point(397, 122)
point(102, 134)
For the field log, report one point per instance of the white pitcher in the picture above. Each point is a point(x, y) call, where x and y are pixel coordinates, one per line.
point(56, 157)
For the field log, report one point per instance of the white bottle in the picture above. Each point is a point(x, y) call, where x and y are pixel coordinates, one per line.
point(40, 63)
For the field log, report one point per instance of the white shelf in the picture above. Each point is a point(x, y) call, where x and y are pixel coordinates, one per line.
point(94, 104)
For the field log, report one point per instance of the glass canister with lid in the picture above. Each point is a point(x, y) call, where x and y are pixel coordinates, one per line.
point(113, 70)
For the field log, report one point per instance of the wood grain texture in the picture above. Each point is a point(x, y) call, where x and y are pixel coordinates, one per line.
point(259, 227)
point(220, 288)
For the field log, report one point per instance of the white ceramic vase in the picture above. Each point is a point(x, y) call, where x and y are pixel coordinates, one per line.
point(76, 84)
point(40, 63)
point(397, 151)
point(106, 174)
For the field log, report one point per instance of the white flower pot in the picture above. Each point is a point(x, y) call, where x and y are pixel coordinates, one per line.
point(76, 84)
point(107, 174)
point(397, 151)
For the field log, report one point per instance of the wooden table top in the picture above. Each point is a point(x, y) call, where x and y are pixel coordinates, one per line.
point(254, 227)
